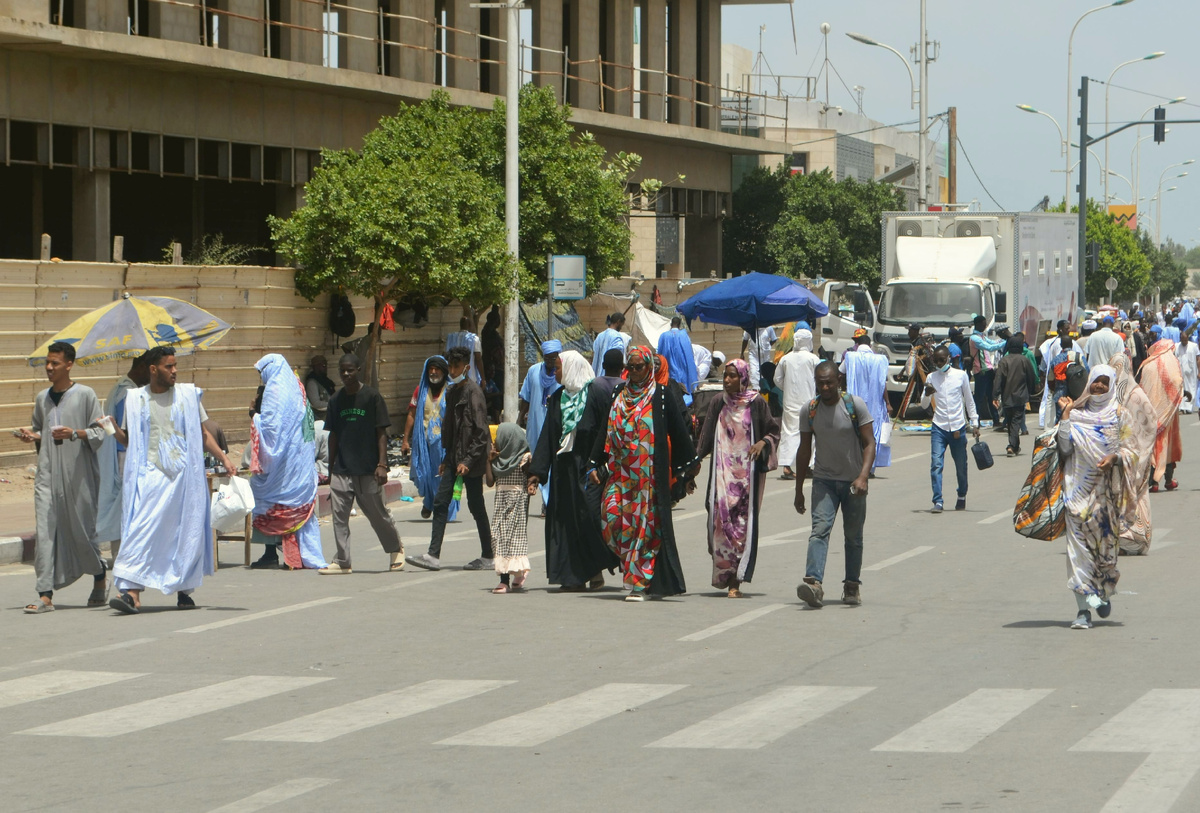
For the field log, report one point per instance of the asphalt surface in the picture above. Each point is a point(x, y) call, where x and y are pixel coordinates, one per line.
point(957, 685)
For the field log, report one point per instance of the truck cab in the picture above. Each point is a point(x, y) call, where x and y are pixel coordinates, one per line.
point(850, 308)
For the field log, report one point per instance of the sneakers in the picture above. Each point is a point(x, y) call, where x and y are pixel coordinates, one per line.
point(479, 564)
point(961, 505)
point(937, 508)
point(1104, 610)
point(424, 561)
point(1083, 621)
point(850, 594)
point(811, 593)
point(184, 602)
point(334, 569)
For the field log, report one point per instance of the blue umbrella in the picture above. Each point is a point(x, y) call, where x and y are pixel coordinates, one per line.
point(754, 301)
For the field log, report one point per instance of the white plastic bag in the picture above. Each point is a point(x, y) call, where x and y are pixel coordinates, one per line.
point(231, 502)
point(885, 434)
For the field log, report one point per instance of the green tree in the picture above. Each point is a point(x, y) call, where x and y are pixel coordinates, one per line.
point(831, 228)
point(1192, 258)
point(1121, 256)
point(757, 204)
point(1166, 272)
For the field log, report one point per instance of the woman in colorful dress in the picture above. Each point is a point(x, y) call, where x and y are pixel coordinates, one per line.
point(647, 439)
point(576, 556)
point(743, 438)
point(1136, 526)
point(1093, 439)
point(426, 411)
point(510, 512)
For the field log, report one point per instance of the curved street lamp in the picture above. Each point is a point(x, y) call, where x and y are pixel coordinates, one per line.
point(1062, 140)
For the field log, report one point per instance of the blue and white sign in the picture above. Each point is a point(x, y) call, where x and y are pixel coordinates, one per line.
point(568, 276)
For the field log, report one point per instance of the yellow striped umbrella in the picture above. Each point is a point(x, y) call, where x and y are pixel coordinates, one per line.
point(130, 326)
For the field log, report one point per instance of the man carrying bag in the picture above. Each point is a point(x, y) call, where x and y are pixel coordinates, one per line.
point(953, 409)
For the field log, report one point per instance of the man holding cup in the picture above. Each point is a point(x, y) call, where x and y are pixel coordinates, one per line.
point(67, 484)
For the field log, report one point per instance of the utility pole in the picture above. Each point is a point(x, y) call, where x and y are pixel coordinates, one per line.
point(952, 158)
point(1081, 247)
point(922, 159)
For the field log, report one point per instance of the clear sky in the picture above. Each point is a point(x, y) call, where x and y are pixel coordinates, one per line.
point(997, 55)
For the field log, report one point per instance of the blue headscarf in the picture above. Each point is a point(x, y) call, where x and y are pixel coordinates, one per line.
point(427, 451)
point(549, 377)
point(286, 441)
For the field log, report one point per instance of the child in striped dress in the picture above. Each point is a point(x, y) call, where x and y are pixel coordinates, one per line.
point(507, 472)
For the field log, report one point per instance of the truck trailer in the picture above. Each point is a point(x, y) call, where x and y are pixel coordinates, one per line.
point(942, 269)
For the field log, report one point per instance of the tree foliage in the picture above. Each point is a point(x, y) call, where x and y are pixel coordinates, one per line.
point(1121, 257)
point(1166, 272)
point(831, 228)
point(757, 204)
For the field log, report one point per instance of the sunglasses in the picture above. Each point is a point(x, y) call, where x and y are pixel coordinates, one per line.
point(636, 366)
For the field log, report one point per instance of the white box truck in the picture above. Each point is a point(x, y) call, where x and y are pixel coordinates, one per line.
point(941, 269)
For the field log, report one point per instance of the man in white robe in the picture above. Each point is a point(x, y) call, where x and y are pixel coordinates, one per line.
point(795, 376)
point(1048, 350)
point(166, 540)
point(112, 458)
point(1186, 352)
point(866, 377)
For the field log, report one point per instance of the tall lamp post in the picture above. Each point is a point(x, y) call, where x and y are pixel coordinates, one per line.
point(1135, 158)
point(1158, 218)
point(1107, 88)
point(1070, 46)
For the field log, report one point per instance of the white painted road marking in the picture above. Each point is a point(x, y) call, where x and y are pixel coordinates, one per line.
point(910, 457)
point(994, 518)
point(51, 684)
point(763, 720)
point(736, 621)
point(78, 653)
point(1158, 542)
point(1160, 720)
point(564, 716)
point(335, 722)
point(964, 724)
point(900, 557)
point(1155, 785)
point(241, 619)
point(174, 707)
point(273, 796)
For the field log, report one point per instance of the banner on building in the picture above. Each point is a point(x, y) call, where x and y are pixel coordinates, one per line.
point(1125, 215)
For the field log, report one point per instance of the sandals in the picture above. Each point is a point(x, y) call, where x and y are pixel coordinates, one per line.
point(39, 607)
point(500, 589)
point(99, 594)
point(518, 584)
point(123, 603)
point(734, 593)
point(597, 583)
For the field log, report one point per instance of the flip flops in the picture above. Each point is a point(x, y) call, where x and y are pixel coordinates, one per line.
point(39, 607)
point(123, 603)
point(99, 594)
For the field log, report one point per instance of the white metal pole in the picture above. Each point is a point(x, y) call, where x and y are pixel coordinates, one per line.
point(511, 206)
point(922, 158)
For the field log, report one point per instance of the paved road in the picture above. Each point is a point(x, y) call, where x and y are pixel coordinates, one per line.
point(956, 686)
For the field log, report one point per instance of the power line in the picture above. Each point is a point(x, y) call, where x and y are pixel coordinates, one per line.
point(856, 132)
point(976, 174)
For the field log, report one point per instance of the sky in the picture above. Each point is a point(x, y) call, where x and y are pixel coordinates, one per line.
point(997, 55)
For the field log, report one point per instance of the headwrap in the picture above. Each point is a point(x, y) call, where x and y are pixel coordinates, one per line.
point(634, 397)
point(512, 446)
point(1108, 321)
point(748, 392)
point(662, 370)
point(1092, 401)
point(551, 346)
point(1180, 323)
point(1157, 331)
point(803, 340)
point(860, 332)
point(282, 439)
point(718, 357)
point(435, 363)
point(576, 375)
point(1088, 324)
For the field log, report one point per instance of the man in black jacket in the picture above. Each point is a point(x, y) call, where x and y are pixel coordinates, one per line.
point(1015, 380)
point(467, 441)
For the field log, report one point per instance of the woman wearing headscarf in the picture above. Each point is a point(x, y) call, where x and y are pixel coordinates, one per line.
point(743, 437)
point(796, 378)
point(1162, 379)
point(576, 556)
point(510, 513)
point(1093, 442)
point(284, 479)
point(1143, 428)
point(426, 411)
point(646, 439)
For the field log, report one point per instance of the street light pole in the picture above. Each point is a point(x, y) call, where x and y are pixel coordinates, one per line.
point(923, 124)
point(1107, 88)
point(1135, 158)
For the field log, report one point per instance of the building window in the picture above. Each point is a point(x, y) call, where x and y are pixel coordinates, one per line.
point(799, 163)
point(329, 39)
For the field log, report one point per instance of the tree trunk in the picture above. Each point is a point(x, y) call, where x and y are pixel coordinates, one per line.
point(371, 362)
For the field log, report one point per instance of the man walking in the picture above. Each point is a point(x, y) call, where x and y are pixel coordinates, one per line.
point(463, 337)
point(67, 484)
point(845, 452)
point(611, 338)
point(1015, 379)
point(112, 458)
point(467, 441)
point(983, 367)
point(953, 396)
point(357, 421)
point(796, 378)
point(167, 538)
point(676, 347)
point(1104, 344)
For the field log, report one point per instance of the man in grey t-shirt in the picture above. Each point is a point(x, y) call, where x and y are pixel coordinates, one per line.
point(845, 454)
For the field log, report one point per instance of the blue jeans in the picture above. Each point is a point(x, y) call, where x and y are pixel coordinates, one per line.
point(939, 440)
point(827, 497)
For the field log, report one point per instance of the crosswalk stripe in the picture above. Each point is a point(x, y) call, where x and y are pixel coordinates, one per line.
point(900, 557)
point(241, 619)
point(736, 621)
point(1159, 720)
point(335, 722)
point(964, 724)
point(563, 716)
point(909, 457)
point(50, 684)
point(173, 707)
point(1155, 785)
point(77, 653)
point(763, 720)
point(994, 518)
point(273, 796)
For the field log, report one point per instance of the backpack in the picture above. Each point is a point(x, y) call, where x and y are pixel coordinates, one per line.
point(846, 399)
point(1040, 512)
point(341, 315)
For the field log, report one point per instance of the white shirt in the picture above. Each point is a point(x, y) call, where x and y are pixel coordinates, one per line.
point(703, 361)
point(760, 351)
point(1102, 346)
point(953, 391)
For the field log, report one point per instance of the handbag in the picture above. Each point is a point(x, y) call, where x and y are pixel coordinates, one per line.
point(885, 434)
point(1040, 512)
point(982, 454)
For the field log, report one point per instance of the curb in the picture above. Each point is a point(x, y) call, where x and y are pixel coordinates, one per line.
point(16, 549)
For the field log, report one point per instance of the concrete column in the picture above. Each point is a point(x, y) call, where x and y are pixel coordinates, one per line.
point(548, 33)
point(38, 206)
point(676, 270)
point(654, 58)
point(462, 69)
point(584, 91)
point(681, 61)
point(91, 229)
point(296, 45)
point(708, 67)
point(362, 54)
point(618, 50)
point(244, 36)
point(180, 23)
point(416, 62)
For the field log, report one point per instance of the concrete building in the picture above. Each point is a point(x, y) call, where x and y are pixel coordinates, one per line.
point(166, 120)
point(822, 136)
